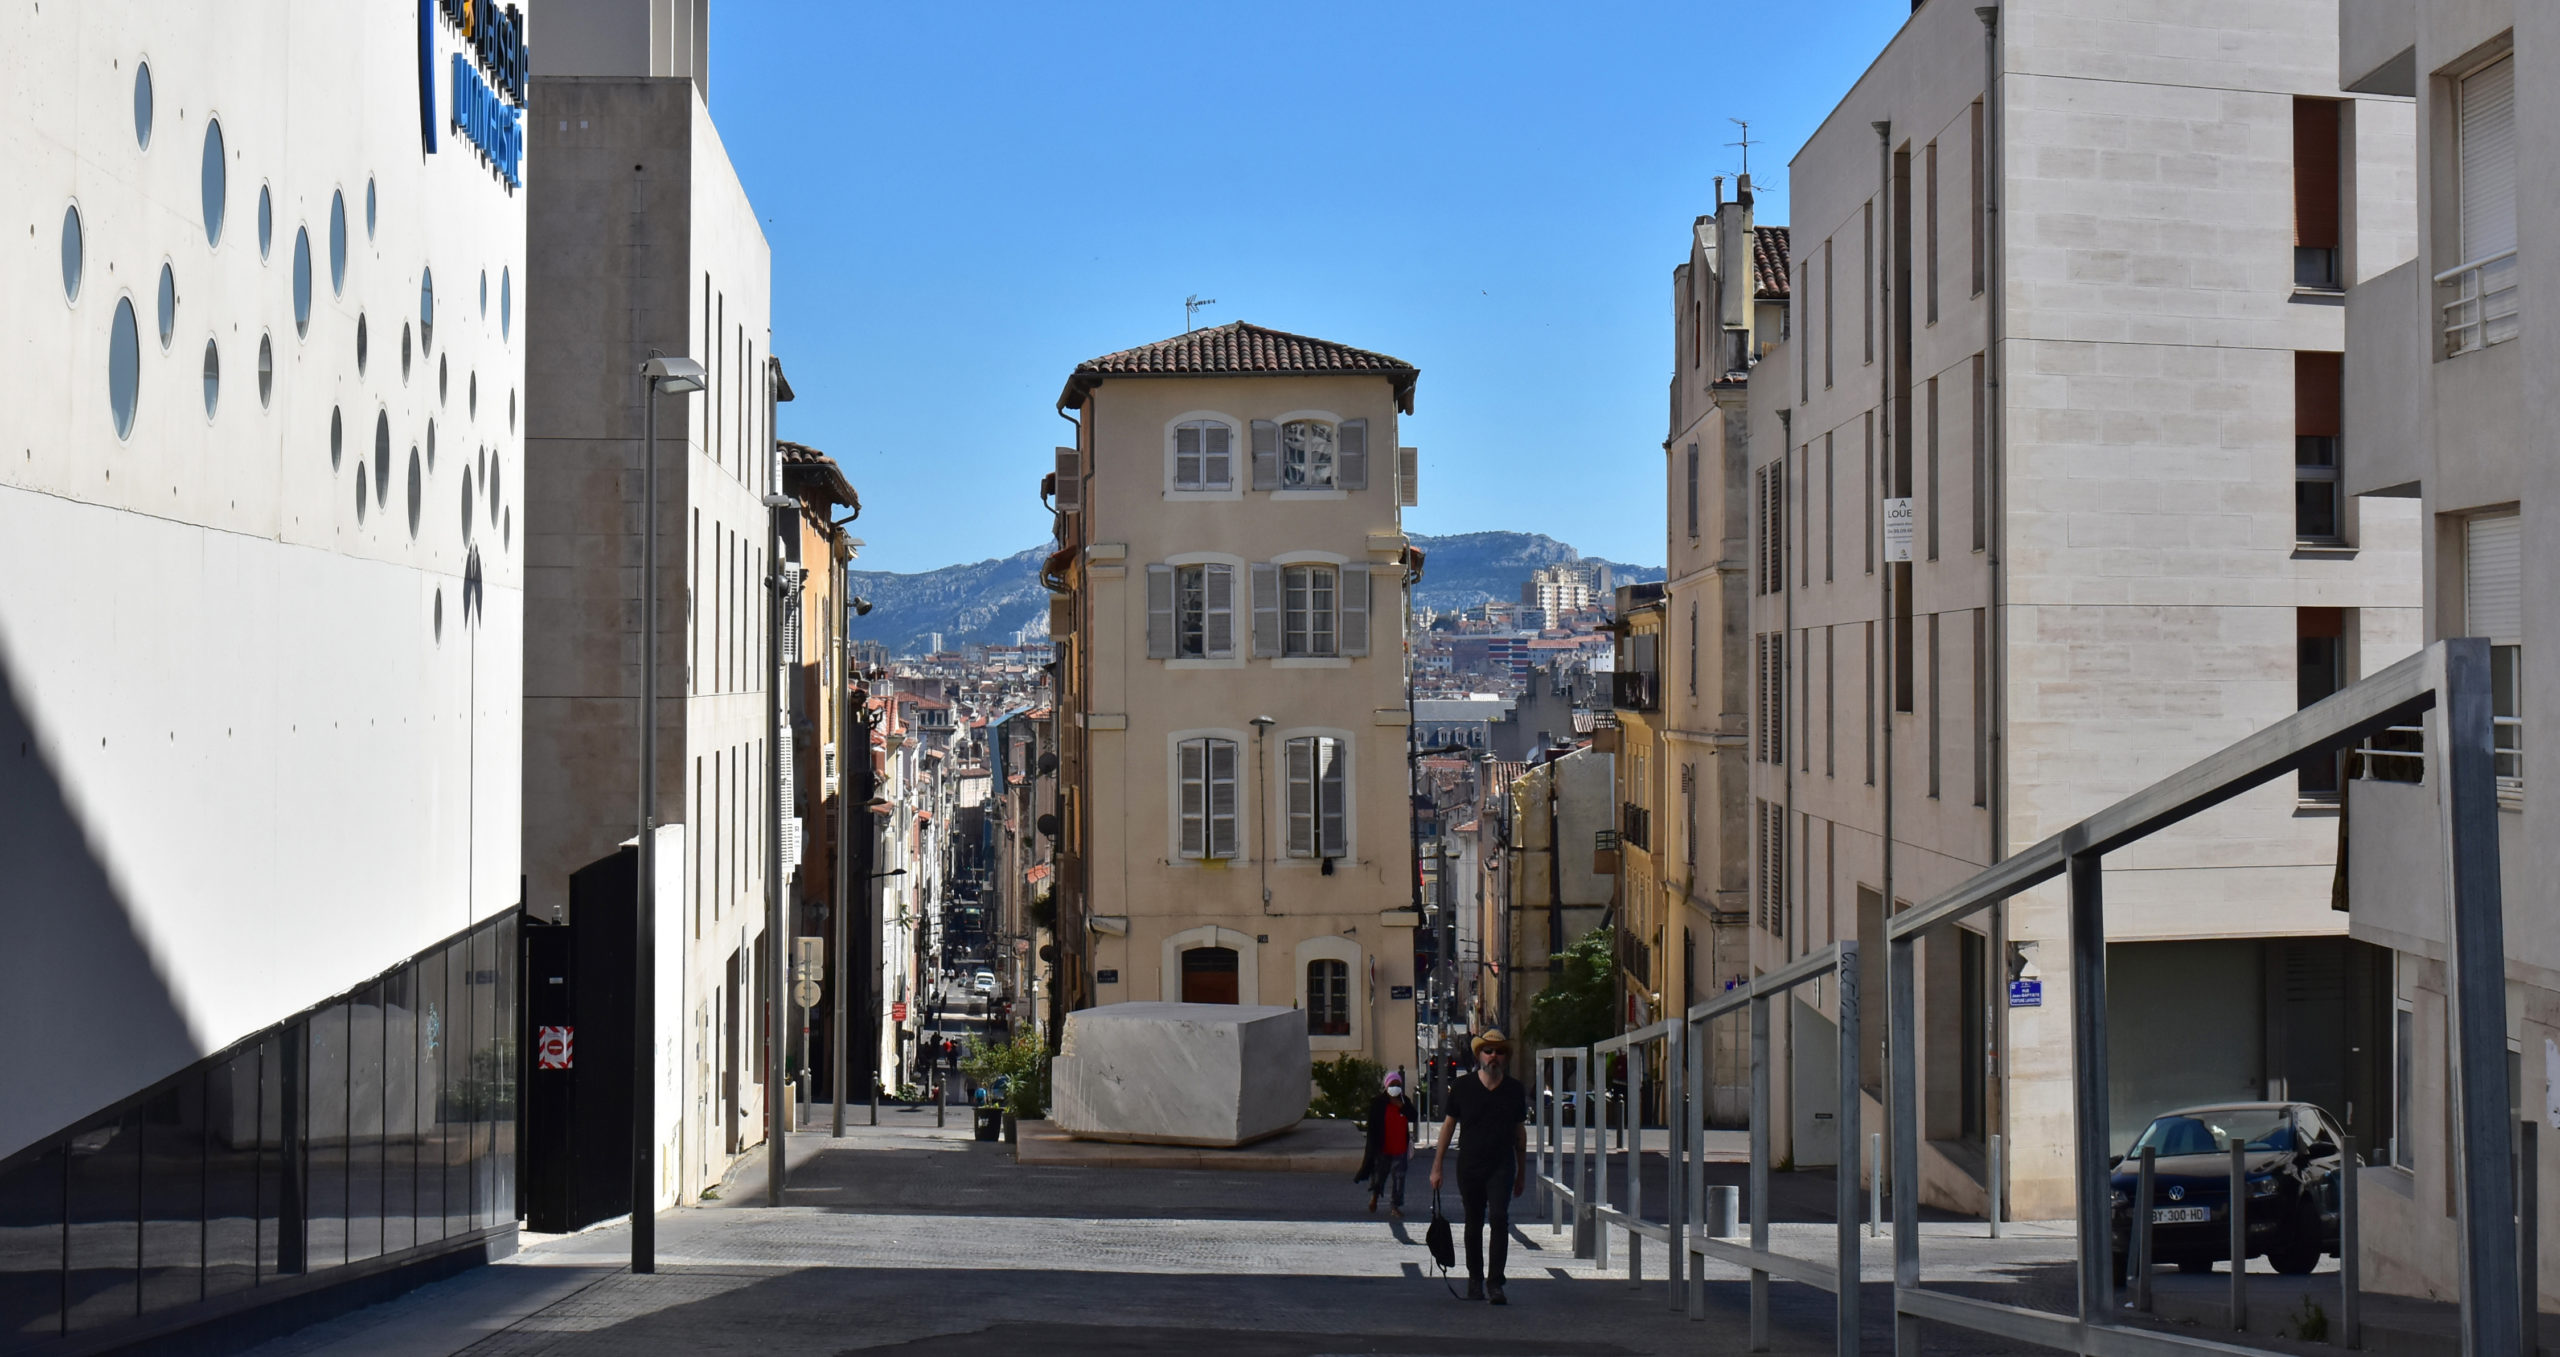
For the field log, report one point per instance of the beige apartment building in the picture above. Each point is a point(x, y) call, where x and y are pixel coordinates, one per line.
point(2447, 403)
point(2044, 503)
point(1229, 606)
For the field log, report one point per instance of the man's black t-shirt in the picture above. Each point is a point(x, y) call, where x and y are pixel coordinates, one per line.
point(1488, 1120)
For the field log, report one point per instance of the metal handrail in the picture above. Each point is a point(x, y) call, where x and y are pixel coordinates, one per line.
point(2482, 262)
point(2479, 315)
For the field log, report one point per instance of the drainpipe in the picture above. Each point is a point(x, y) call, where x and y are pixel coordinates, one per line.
point(1893, 639)
point(1994, 540)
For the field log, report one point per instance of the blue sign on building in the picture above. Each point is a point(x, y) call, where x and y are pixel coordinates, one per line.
point(487, 122)
point(2026, 994)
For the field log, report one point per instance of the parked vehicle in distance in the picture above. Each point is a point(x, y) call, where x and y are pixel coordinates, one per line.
point(985, 983)
point(2291, 1162)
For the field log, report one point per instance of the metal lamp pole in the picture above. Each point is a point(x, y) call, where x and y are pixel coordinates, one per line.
point(777, 925)
point(674, 377)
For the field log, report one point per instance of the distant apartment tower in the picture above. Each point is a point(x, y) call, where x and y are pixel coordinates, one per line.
point(1230, 605)
point(1565, 588)
point(2452, 352)
point(2070, 286)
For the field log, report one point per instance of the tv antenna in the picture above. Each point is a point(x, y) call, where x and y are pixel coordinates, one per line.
point(1191, 310)
point(1745, 143)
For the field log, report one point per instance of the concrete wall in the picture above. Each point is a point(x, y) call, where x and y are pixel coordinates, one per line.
point(262, 740)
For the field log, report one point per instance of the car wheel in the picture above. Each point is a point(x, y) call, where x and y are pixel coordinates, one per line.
point(2299, 1252)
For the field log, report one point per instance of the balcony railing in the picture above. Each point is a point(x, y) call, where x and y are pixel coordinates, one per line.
point(1632, 690)
point(2481, 305)
point(1635, 826)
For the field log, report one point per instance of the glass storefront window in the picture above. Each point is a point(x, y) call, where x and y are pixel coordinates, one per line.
point(325, 1181)
point(364, 1124)
point(231, 1175)
point(100, 1184)
point(31, 1247)
point(173, 1195)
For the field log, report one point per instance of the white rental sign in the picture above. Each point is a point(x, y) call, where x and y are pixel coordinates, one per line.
point(1897, 528)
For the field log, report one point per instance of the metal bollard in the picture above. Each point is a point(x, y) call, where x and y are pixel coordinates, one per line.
point(1995, 1186)
point(2528, 1235)
point(2138, 1246)
point(1724, 1212)
point(941, 1101)
point(875, 1104)
point(2350, 1289)
point(2239, 1212)
point(1875, 1185)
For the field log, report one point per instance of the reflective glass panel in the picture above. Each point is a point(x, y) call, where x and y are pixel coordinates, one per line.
point(488, 1073)
point(124, 367)
point(266, 220)
point(142, 104)
point(455, 1118)
point(400, 1110)
point(337, 243)
point(71, 252)
point(431, 1092)
point(231, 1174)
point(364, 1124)
point(31, 1247)
point(173, 1195)
point(216, 177)
point(301, 281)
point(279, 1154)
point(101, 1189)
point(325, 1149)
point(505, 1106)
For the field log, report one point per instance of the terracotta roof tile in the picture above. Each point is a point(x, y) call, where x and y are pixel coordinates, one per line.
point(1239, 349)
point(1769, 261)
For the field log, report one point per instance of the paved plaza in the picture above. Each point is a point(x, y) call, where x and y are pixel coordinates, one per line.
point(913, 1239)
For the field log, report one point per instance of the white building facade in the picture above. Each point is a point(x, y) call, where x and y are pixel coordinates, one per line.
point(260, 654)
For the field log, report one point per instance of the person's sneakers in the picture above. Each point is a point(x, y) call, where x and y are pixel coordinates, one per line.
point(1373, 1206)
point(1494, 1293)
point(1475, 1291)
point(1393, 1212)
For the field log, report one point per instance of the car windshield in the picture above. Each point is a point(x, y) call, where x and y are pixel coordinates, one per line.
point(2211, 1131)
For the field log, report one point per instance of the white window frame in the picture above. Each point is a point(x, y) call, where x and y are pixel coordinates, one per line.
point(1239, 456)
point(1330, 488)
point(1301, 822)
point(1310, 610)
point(1240, 607)
point(1177, 806)
point(2506, 662)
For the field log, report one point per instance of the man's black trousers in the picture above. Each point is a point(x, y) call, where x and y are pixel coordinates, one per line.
point(1486, 1189)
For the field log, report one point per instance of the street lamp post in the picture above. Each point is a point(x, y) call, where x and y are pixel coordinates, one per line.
point(779, 595)
point(673, 377)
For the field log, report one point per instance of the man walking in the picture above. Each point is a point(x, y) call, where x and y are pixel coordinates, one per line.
point(1488, 1116)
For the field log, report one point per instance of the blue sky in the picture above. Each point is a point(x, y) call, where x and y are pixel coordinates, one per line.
point(966, 200)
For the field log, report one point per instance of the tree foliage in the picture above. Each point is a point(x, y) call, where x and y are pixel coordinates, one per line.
point(1578, 1007)
point(1344, 1086)
point(1017, 1071)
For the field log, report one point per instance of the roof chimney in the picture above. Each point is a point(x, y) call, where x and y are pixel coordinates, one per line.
point(1742, 190)
point(1719, 190)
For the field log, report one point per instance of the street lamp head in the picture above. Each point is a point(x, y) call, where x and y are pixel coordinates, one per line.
point(861, 606)
point(1261, 723)
point(673, 376)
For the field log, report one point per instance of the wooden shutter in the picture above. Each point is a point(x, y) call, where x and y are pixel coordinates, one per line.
point(2488, 133)
point(1192, 769)
point(1159, 612)
point(1351, 456)
point(1266, 609)
point(1069, 493)
point(1219, 622)
point(1299, 768)
point(1408, 476)
point(1217, 462)
point(1222, 798)
point(1186, 457)
point(1693, 490)
point(2315, 173)
point(1333, 840)
point(1266, 455)
point(1351, 633)
point(2493, 578)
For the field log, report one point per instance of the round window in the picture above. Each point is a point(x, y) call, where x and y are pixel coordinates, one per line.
point(484, 294)
point(404, 351)
point(494, 483)
point(511, 412)
point(381, 456)
point(168, 305)
point(368, 209)
point(124, 367)
point(216, 177)
point(301, 281)
point(337, 437)
point(466, 507)
point(71, 253)
point(471, 395)
point(443, 381)
point(266, 220)
point(506, 303)
point(360, 492)
point(212, 377)
point(337, 243)
point(361, 346)
point(427, 309)
point(431, 445)
point(142, 104)
point(417, 491)
point(266, 371)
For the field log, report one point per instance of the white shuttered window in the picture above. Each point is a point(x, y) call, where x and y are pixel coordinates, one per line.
point(2493, 607)
point(1203, 456)
point(1206, 772)
point(1318, 797)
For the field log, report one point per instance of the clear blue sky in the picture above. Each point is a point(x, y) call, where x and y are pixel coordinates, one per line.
point(965, 200)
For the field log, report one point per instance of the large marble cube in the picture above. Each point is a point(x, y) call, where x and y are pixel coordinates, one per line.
point(1180, 1074)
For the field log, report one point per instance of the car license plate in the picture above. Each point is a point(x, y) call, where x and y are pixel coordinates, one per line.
point(2180, 1215)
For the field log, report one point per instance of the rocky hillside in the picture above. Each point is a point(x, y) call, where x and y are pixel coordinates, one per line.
point(990, 602)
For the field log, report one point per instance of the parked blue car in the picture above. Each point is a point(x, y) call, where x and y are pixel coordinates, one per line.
point(2291, 1159)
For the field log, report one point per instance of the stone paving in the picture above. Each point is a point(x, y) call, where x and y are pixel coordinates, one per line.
point(908, 1239)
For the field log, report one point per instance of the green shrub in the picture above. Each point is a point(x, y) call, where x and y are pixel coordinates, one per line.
point(1344, 1086)
point(1017, 1072)
point(1579, 1006)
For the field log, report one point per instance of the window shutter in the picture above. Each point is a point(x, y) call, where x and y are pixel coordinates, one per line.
point(2488, 131)
point(1219, 621)
point(1329, 791)
point(1266, 609)
point(1351, 635)
point(1222, 798)
point(1266, 455)
point(1069, 495)
point(1300, 770)
point(1693, 490)
point(1186, 456)
point(1159, 612)
point(1408, 476)
point(1217, 469)
point(1351, 461)
point(2493, 578)
point(1191, 771)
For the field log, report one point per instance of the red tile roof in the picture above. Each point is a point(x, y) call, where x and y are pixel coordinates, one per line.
point(1239, 349)
point(1769, 261)
point(806, 468)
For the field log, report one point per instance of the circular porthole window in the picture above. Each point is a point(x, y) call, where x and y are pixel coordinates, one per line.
point(381, 456)
point(427, 309)
point(493, 489)
point(471, 395)
point(417, 491)
point(431, 445)
point(360, 492)
point(368, 209)
point(439, 614)
point(506, 303)
point(124, 367)
point(142, 104)
point(511, 412)
point(404, 351)
point(337, 436)
point(443, 381)
point(362, 348)
point(484, 294)
point(466, 507)
point(337, 243)
point(71, 253)
point(168, 306)
point(212, 377)
point(301, 281)
point(266, 220)
point(217, 178)
point(266, 371)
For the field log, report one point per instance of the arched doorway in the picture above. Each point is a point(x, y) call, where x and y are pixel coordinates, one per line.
point(1209, 975)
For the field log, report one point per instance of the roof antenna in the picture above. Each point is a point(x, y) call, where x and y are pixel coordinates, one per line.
point(1745, 143)
point(1191, 310)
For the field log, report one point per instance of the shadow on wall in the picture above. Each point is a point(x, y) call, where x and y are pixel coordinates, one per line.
point(86, 1015)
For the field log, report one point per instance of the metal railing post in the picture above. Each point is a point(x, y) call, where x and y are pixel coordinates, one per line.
point(1632, 1136)
point(1875, 1184)
point(2239, 1214)
point(2138, 1244)
point(1694, 1126)
point(1903, 1072)
point(1845, 1313)
point(1994, 1184)
point(1759, 1169)
point(2350, 1265)
point(2528, 1236)
point(2089, 1086)
point(1586, 1143)
point(1675, 1195)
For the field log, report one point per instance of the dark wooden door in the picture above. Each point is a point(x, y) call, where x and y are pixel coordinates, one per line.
point(1209, 975)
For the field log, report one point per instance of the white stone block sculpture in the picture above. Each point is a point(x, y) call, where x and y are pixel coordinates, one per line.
point(1180, 1074)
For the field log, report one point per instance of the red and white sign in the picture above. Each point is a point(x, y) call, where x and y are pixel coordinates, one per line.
point(551, 1048)
point(898, 1011)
